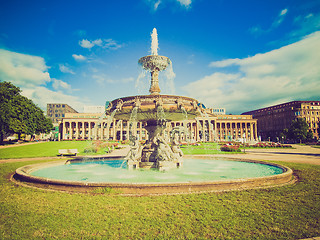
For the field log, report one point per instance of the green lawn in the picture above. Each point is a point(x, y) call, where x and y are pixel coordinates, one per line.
point(203, 148)
point(289, 212)
point(43, 149)
point(50, 149)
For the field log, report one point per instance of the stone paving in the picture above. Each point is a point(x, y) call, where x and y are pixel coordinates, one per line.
point(297, 154)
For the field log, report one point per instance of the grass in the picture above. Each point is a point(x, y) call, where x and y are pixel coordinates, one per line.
point(44, 149)
point(289, 212)
point(50, 149)
point(203, 148)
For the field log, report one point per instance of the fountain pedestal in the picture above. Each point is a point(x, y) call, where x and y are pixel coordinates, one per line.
point(156, 152)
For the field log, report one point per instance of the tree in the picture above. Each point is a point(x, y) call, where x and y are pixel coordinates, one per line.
point(298, 130)
point(19, 114)
point(284, 134)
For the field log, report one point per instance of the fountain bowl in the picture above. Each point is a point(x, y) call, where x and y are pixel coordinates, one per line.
point(154, 62)
point(174, 108)
point(24, 176)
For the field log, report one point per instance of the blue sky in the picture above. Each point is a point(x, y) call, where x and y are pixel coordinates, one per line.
point(241, 55)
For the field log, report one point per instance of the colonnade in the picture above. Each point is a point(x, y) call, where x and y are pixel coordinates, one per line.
point(202, 129)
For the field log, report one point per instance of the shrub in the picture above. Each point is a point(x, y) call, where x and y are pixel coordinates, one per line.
point(90, 149)
point(232, 148)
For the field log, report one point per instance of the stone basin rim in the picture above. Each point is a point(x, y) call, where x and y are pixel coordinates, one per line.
point(23, 174)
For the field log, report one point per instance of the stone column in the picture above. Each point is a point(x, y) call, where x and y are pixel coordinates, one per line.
point(82, 129)
point(70, 130)
point(134, 127)
point(237, 131)
point(89, 130)
point(251, 131)
point(197, 130)
point(121, 129)
point(231, 131)
point(255, 131)
point(77, 129)
point(215, 130)
point(64, 130)
point(246, 131)
point(114, 129)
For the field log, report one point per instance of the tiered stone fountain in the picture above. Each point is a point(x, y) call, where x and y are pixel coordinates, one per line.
point(156, 110)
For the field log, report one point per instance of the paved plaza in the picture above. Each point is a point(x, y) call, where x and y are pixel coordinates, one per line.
point(298, 154)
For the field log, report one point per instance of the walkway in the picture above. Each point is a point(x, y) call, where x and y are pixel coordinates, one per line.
point(299, 154)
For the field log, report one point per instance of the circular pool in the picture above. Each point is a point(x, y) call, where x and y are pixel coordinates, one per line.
point(198, 174)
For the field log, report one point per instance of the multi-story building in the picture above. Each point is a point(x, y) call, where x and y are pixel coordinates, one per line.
point(211, 127)
point(57, 111)
point(272, 120)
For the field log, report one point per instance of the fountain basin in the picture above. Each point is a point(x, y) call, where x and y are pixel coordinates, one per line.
point(213, 175)
point(174, 107)
point(154, 62)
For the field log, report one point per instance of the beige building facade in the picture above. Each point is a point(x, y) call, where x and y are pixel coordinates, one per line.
point(210, 128)
point(272, 120)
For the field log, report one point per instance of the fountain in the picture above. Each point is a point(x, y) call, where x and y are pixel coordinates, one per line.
point(158, 162)
point(156, 110)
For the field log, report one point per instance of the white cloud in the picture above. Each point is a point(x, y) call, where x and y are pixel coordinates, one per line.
point(105, 43)
point(111, 44)
point(41, 96)
point(60, 85)
point(225, 63)
point(279, 19)
point(185, 3)
point(305, 25)
point(86, 44)
point(23, 69)
point(283, 12)
point(79, 57)
point(154, 4)
point(286, 74)
point(257, 30)
point(65, 69)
